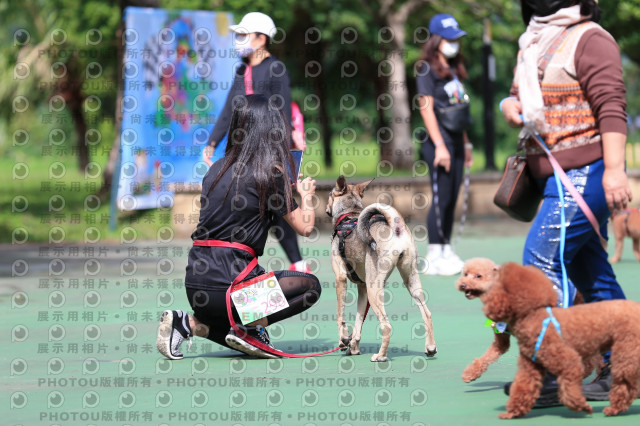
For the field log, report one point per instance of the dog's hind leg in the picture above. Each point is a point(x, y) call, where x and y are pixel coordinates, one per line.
point(341, 289)
point(354, 346)
point(625, 373)
point(409, 272)
point(375, 289)
point(636, 248)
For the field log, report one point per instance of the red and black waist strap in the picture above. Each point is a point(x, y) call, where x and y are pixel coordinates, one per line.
point(241, 276)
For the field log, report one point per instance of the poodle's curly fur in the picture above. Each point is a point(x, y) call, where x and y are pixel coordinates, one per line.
point(520, 296)
point(478, 275)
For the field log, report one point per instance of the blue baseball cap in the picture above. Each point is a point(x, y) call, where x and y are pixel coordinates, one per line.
point(445, 26)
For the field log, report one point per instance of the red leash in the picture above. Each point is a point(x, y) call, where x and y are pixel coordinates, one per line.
point(254, 262)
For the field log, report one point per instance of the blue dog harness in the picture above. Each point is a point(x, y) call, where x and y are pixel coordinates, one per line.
point(543, 331)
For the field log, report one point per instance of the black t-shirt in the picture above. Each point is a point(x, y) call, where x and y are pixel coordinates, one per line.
point(445, 92)
point(270, 78)
point(234, 219)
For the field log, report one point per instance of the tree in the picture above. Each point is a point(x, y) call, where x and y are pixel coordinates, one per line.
point(399, 150)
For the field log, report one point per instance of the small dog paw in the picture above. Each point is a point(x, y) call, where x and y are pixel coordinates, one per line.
point(610, 411)
point(378, 358)
point(507, 415)
point(467, 378)
point(431, 352)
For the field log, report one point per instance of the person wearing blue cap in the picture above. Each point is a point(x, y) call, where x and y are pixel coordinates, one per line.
point(444, 107)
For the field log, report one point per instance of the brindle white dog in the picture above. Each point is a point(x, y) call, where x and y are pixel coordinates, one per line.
point(380, 242)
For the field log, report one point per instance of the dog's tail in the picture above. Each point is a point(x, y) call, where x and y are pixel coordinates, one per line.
point(391, 215)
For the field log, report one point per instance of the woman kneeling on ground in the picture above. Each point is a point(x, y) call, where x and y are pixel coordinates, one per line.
point(242, 195)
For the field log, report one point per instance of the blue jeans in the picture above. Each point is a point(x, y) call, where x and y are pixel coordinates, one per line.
point(587, 266)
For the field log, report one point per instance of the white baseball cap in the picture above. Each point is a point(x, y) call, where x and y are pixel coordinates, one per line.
point(255, 22)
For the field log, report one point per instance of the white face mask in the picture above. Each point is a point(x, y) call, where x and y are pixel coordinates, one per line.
point(450, 48)
point(242, 45)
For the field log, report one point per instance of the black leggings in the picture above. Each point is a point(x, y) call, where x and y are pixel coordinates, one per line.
point(448, 188)
point(288, 239)
point(210, 307)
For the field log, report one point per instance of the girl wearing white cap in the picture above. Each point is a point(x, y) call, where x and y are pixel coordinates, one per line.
point(264, 74)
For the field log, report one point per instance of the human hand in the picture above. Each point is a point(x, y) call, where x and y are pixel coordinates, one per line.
point(443, 158)
point(306, 187)
point(207, 153)
point(511, 111)
point(617, 191)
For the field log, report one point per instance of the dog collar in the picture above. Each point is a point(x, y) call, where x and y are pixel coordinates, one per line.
point(543, 331)
point(498, 327)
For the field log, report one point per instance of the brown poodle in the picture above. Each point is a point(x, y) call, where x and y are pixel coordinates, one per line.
point(523, 297)
point(478, 274)
point(626, 223)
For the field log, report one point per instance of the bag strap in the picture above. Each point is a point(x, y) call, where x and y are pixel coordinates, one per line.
point(248, 80)
point(546, 59)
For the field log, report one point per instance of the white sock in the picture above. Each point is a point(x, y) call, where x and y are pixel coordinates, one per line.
point(300, 265)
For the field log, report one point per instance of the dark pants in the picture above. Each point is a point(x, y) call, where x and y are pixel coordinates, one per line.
point(210, 306)
point(448, 188)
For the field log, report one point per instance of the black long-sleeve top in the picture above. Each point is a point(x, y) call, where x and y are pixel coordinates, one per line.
point(270, 78)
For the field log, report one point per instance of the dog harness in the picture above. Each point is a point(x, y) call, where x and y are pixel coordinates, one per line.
point(241, 276)
point(344, 227)
point(543, 331)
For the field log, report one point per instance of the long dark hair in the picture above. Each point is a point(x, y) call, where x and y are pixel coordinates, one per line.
point(258, 143)
point(430, 54)
point(587, 8)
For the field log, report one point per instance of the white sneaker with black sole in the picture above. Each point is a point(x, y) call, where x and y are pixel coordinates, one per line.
point(259, 333)
point(169, 338)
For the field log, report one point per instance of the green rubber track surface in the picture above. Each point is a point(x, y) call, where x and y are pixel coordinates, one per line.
point(79, 328)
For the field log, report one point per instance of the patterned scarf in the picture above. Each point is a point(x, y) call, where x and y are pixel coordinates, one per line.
point(534, 43)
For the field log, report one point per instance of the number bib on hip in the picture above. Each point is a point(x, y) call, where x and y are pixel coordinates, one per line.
point(258, 297)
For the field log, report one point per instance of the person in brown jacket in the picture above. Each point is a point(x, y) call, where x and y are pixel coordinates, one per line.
point(568, 87)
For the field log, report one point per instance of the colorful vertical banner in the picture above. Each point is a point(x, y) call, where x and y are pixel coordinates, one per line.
point(178, 68)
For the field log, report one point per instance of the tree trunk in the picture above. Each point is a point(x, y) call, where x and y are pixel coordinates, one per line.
point(112, 161)
point(74, 98)
point(400, 149)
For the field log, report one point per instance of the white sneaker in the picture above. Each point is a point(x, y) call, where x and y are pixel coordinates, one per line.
point(169, 338)
point(447, 267)
point(430, 266)
point(451, 263)
point(258, 332)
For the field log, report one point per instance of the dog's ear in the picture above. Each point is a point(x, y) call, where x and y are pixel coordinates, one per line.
point(341, 186)
point(529, 286)
point(359, 188)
